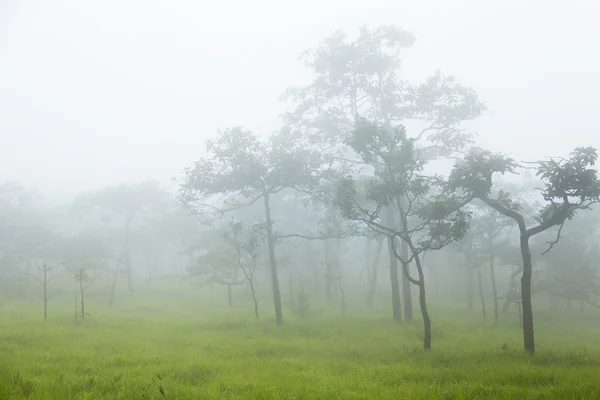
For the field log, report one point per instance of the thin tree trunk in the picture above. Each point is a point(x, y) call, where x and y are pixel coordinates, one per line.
point(45, 292)
point(493, 276)
point(229, 299)
point(82, 301)
point(423, 305)
point(328, 269)
point(481, 298)
point(128, 269)
point(528, 331)
point(511, 290)
point(273, 261)
point(373, 272)
point(396, 304)
point(254, 299)
point(406, 285)
point(113, 287)
point(569, 304)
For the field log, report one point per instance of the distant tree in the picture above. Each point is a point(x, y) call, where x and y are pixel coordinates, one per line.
point(241, 170)
point(44, 280)
point(246, 242)
point(26, 235)
point(570, 185)
point(218, 266)
point(119, 206)
point(84, 280)
point(372, 267)
point(573, 270)
point(428, 220)
point(361, 78)
point(468, 247)
point(488, 232)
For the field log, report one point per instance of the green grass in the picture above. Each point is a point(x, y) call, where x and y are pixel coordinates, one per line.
point(198, 352)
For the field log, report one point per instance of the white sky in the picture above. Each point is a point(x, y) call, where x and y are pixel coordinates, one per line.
point(96, 92)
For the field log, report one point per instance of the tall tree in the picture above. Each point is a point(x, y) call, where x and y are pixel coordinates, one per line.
point(570, 185)
point(361, 78)
point(241, 170)
point(428, 220)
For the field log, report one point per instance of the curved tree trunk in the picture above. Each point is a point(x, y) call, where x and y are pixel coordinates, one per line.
point(527, 308)
point(423, 305)
point(254, 299)
point(273, 261)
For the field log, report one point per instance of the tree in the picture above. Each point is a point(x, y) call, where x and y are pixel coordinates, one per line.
point(569, 185)
point(361, 78)
point(44, 280)
point(120, 206)
point(468, 247)
point(246, 243)
point(84, 280)
point(428, 220)
point(242, 170)
point(218, 265)
point(487, 227)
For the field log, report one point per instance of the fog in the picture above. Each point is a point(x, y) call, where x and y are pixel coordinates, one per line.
point(125, 91)
point(295, 189)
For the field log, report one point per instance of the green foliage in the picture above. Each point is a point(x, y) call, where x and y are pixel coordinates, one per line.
point(399, 182)
point(569, 185)
point(360, 78)
point(240, 169)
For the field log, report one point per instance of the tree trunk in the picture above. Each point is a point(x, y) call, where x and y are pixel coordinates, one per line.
point(527, 309)
point(113, 287)
point(406, 286)
point(82, 302)
point(511, 290)
point(494, 287)
point(569, 304)
point(481, 298)
point(45, 292)
point(373, 272)
point(328, 269)
point(470, 287)
point(254, 299)
point(128, 269)
point(423, 304)
point(229, 299)
point(396, 305)
point(273, 261)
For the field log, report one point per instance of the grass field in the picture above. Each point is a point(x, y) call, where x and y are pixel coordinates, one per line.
point(191, 350)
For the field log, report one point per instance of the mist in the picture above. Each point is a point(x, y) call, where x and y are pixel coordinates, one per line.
point(307, 200)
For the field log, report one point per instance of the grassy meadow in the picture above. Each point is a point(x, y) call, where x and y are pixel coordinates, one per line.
point(179, 345)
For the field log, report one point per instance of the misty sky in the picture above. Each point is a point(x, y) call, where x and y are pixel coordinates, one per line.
point(100, 92)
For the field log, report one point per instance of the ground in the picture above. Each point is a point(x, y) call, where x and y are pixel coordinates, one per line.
point(192, 349)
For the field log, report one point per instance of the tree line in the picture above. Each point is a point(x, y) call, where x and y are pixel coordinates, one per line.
point(363, 156)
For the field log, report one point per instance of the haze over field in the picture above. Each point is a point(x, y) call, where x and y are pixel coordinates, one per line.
point(308, 200)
